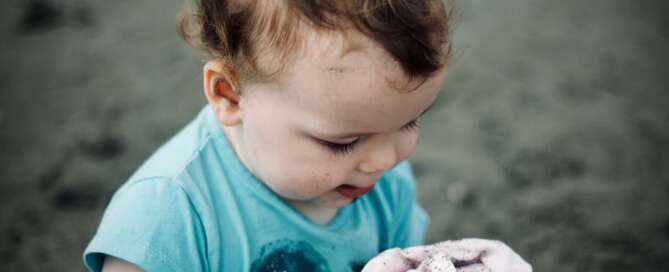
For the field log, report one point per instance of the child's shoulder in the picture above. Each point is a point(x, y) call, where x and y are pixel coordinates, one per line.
point(172, 157)
point(144, 222)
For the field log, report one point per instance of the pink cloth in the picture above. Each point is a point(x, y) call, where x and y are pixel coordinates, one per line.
point(467, 255)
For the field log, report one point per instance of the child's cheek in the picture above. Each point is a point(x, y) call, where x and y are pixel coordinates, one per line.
point(407, 146)
point(292, 180)
point(327, 180)
point(316, 180)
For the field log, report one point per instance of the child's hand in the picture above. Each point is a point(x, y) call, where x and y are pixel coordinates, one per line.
point(465, 255)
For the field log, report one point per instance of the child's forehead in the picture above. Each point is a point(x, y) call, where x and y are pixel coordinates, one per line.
point(344, 77)
point(355, 92)
point(341, 55)
point(336, 46)
point(363, 107)
point(343, 68)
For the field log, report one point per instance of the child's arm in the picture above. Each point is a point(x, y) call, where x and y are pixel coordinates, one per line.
point(152, 224)
point(113, 264)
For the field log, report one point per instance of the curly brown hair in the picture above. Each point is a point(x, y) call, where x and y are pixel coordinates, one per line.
point(416, 34)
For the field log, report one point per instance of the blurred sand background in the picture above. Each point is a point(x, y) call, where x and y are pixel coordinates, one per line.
point(551, 134)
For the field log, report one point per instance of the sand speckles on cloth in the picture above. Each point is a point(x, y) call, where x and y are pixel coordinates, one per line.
point(467, 255)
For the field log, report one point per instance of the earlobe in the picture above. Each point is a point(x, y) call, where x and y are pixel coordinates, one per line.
point(221, 90)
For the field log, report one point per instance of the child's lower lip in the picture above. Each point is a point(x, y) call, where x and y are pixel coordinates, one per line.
point(352, 191)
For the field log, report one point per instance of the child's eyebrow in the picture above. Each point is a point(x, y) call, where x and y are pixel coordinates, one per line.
point(352, 135)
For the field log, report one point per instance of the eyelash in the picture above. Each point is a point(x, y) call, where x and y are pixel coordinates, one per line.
point(413, 126)
point(345, 149)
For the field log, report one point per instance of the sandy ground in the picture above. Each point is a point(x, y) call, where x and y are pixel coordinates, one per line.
point(552, 132)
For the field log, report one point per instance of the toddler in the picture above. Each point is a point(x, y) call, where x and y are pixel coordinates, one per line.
point(298, 162)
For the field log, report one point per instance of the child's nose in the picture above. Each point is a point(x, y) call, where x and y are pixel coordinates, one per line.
point(380, 158)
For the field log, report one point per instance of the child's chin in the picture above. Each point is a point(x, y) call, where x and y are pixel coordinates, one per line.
point(337, 202)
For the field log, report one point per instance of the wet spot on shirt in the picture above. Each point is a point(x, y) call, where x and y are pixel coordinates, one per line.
point(287, 255)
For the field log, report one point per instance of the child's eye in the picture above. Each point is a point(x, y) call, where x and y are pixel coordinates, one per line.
point(413, 126)
point(345, 149)
point(340, 149)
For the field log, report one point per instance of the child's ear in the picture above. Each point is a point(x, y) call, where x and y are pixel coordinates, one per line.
point(221, 87)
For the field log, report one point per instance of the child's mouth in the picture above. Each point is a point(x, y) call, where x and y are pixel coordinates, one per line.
point(352, 191)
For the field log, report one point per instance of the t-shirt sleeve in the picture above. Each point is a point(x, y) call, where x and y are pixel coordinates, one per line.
point(152, 224)
point(411, 221)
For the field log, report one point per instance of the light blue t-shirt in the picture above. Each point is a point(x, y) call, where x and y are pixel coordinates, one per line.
point(193, 206)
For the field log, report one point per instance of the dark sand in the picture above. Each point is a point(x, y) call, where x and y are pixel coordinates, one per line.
point(552, 132)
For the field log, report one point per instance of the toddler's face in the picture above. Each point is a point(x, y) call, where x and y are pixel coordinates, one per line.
point(331, 123)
